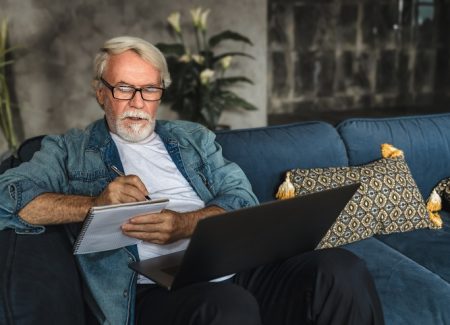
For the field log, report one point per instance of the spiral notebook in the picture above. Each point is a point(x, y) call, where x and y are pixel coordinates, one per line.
point(101, 229)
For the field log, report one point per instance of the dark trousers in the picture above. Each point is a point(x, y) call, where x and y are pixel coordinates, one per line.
point(329, 286)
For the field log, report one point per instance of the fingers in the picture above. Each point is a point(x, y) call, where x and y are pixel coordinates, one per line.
point(158, 228)
point(122, 190)
point(159, 238)
point(133, 181)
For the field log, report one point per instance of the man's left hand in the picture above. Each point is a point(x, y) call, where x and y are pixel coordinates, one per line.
point(167, 226)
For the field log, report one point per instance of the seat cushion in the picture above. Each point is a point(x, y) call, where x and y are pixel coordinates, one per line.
point(265, 154)
point(429, 248)
point(409, 292)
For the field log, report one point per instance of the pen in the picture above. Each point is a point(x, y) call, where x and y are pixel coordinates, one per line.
point(119, 173)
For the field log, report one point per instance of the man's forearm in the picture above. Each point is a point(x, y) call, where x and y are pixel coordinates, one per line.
point(194, 217)
point(53, 208)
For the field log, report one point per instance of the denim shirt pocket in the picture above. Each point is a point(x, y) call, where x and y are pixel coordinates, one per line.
point(90, 183)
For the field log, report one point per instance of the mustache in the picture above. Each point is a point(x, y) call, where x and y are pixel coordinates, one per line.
point(138, 114)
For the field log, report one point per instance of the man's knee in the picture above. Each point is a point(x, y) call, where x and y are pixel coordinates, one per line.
point(344, 290)
point(341, 264)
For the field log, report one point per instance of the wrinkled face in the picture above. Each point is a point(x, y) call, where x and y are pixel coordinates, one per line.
point(133, 119)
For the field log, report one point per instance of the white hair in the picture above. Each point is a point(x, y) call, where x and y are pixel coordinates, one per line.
point(144, 49)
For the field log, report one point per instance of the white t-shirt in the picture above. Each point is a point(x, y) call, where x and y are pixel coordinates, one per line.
point(150, 161)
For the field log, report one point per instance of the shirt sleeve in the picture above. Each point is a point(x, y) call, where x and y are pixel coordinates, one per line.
point(45, 172)
point(231, 188)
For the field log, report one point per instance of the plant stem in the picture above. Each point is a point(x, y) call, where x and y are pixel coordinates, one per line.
point(6, 119)
point(197, 40)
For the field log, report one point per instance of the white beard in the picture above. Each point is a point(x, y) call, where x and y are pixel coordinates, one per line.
point(132, 131)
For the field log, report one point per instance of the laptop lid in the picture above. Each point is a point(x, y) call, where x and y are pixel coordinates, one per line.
point(249, 237)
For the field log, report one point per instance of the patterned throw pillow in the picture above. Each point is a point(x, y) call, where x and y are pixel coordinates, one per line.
point(438, 199)
point(443, 190)
point(387, 201)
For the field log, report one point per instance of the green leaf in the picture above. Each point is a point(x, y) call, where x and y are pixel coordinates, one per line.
point(171, 49)
point(234, 100)
point(232, 80)
point(221, 56)
point(228, 35)
point(5, 63)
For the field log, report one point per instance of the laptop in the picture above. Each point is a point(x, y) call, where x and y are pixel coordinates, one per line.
point(242, 239)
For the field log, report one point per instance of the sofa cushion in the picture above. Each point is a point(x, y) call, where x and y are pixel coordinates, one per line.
point(424, 139)
point(428, 248)
point(409, 292)
point(265, 154)
point(387, 201)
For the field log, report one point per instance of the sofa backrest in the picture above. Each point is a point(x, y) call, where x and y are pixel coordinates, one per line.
point(265, 154)
point(425, 140)
point(24, 153)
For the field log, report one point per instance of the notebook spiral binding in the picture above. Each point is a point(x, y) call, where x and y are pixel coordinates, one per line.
point(85, 227)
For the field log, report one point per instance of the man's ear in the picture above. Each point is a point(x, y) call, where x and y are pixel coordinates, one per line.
point(99, 95)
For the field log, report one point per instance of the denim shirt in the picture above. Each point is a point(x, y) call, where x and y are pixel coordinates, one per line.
point(78, 163)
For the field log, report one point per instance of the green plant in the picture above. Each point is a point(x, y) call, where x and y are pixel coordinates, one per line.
point(200, 89)
point(6, 120)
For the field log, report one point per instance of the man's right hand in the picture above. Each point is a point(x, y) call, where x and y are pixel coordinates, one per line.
point(123, 189)
point(55, 208)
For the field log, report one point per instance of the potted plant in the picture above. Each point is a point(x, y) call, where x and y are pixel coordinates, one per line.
point(200, 89)
point(6, 119)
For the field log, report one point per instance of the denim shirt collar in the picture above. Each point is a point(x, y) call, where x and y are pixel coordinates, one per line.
point(172, 146)
point(100, 140)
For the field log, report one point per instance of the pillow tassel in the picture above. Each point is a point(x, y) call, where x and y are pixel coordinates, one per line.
point(287, 189)
point(434, 205)
point(389, 151)
point(436, 220)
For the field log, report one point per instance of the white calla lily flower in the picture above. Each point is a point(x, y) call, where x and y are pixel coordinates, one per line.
point(196, 16)
point(174, 21)
point(225, 62)
point(204, 19)
point(206, 75)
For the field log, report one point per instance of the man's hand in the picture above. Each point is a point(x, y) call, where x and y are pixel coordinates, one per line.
point(55, 208)
point(159, 228)
point(123, 189)
point(167, 226)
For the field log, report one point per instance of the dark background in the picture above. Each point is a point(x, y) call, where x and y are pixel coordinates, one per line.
point(331, 60)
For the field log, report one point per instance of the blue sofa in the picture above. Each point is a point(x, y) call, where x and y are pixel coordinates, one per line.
point(412, 269)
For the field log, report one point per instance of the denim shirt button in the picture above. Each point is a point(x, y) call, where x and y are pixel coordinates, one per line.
point(125, 293)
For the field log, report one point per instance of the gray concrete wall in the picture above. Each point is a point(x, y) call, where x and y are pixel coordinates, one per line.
point(53, 71)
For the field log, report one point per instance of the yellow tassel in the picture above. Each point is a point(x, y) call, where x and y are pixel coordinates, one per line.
point(436, 219)
point(389, 151)
point(434, 202)
point(287, 189)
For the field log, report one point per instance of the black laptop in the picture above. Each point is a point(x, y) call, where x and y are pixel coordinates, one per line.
point(249, 237)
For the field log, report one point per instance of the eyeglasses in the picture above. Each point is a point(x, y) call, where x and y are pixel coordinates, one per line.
point(125, 92)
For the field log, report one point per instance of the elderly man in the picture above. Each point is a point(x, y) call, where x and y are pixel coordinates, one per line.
point(180, 161)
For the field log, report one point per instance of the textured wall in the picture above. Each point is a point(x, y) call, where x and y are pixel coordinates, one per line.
point(59, 38)
point(331, 59)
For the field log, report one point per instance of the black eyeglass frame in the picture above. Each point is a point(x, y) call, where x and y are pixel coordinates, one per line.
point(111, 88)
